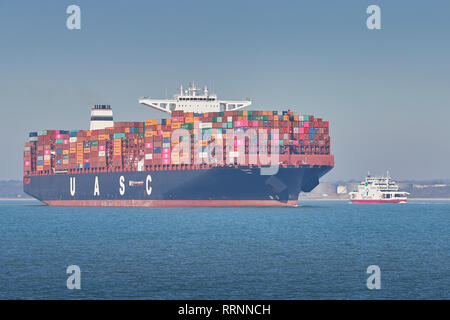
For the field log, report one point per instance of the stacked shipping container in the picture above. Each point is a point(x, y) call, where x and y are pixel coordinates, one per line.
point(149, 145)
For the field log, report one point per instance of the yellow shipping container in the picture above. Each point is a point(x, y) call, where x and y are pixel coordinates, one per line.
point(46, 162)
point(87, 150)
point(66, 151)
point(166, 134)
point(40, 168)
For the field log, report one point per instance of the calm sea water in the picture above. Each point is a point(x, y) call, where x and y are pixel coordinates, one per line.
point(317, 251)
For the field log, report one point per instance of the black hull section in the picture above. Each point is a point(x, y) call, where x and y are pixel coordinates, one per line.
point(214, 186)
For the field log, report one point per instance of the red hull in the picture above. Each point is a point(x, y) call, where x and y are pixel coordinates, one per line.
point(170, 203)
point(379, 201)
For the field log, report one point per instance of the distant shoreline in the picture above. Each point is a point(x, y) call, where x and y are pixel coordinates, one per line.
point(300, 200)
point(339, 199)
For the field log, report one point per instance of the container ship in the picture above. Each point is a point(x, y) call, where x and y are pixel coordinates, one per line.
point(208, 152)
point(378, 190)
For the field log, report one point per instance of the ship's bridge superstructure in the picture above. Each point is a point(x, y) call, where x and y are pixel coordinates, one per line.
point(195, 99)
point(101, 117)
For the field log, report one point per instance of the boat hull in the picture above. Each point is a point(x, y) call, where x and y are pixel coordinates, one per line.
point(212, 187)
point(379, 201)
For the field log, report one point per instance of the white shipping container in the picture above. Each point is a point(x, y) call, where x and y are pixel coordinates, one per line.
point(205, 125)
point(229, 119)
point(166, 145)
point(47, 157)
point(148, 156)
point(203, 155)
point(101, 153)
point(73, 139)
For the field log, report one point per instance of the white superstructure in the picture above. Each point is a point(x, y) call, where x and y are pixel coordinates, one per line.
point(195, 99)
point(378, 189)
point(101, 117)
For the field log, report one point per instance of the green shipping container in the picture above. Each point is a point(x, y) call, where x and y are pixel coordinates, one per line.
point(119, 135)
point(186, 126)
point(59, 141)
point(94, 143)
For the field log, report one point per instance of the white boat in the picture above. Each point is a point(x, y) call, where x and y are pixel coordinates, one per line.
point(378, 190)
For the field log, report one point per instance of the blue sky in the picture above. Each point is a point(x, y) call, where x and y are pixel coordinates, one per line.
point(385, 92)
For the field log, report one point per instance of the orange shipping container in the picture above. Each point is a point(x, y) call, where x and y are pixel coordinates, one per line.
point(151, 122)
